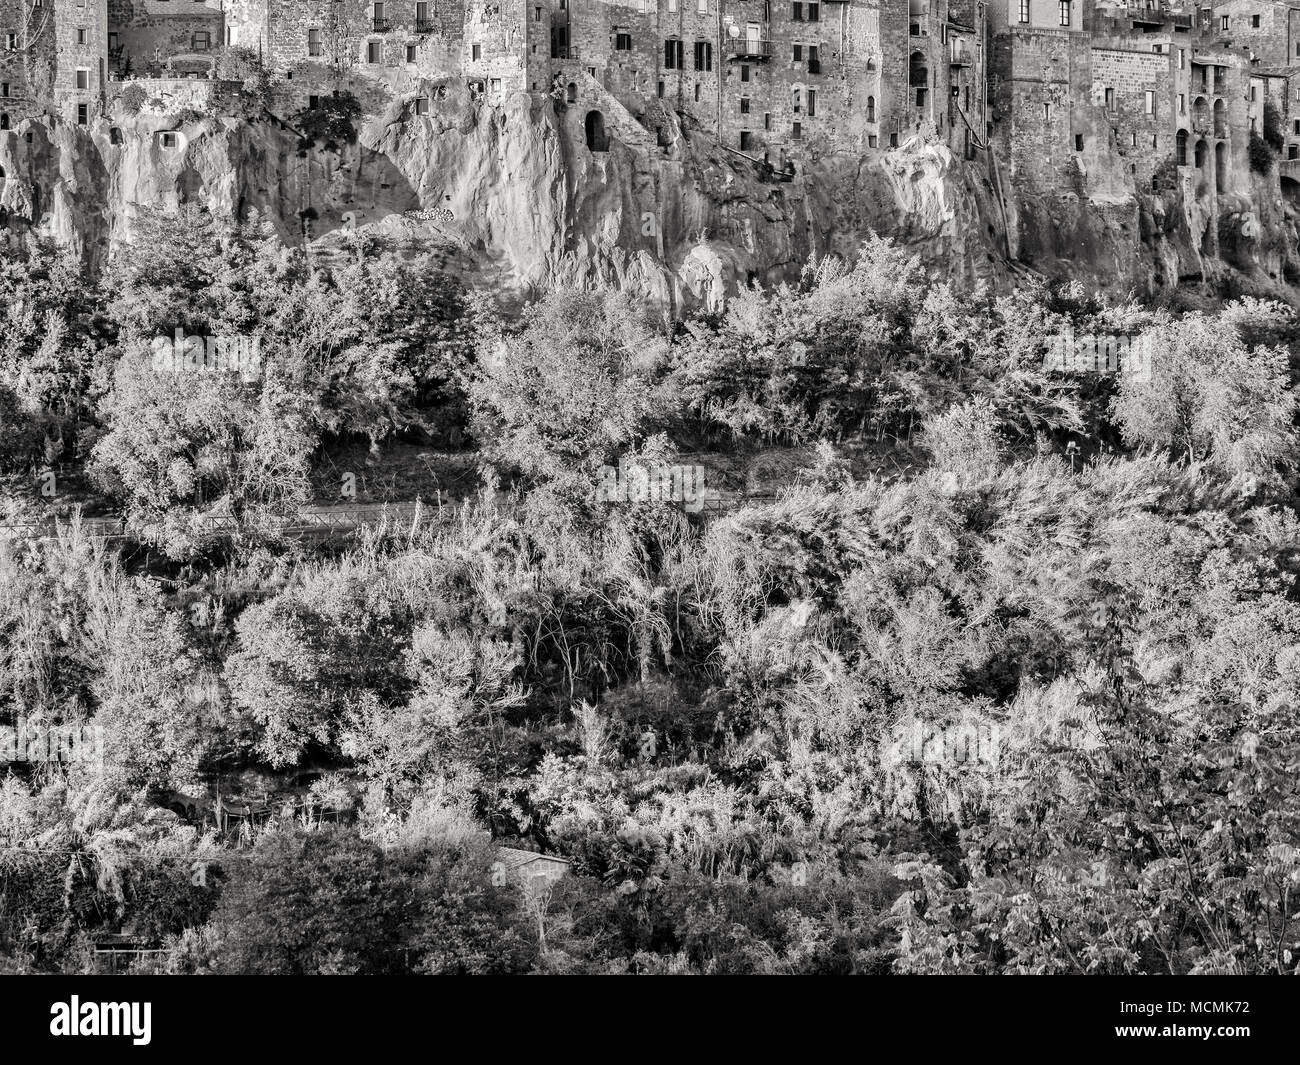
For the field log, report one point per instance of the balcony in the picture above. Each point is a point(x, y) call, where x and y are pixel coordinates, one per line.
point(750, 48)
point(959, 57)
point(425, 25)
point(814, 66)
point(382, 25)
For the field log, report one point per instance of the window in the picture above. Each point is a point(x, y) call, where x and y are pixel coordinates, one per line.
point(814, 66)
point(1065, 12)
point(11, 42)
point(374, 51)
point(672, 5)
point(871, 108)
point(622, 40)
point(537, 13)
point(814, 13)
point(83, 78)
point(1182, 59)
point(476, 52)
point(661, 90)
point(744, 105)
point(313, 42)
point(81, 35)
point(1254, 22)
point(702, 7)
point(797, 54)
point(313, 103)
point(1182, 104)
point(893, 140)
point(920, 97)
point(169, 140)
point(4, 124)
point(1253, 93)
point(703, 55)
point(422, 11)
point(1024, 12)
point(697, 92)
point(812, 103)
point(1110, 99)
point(4, 89)
point(1150, 102)
point(83, 114)
point(1078, 142)
point(494, 85)
point(421, 105)
point(796, 100)
point(796, 11)
point(200, 41)
point(746, 140)
point(796, 132)
point(744, 71)
point(872, 140)
point(767, 119)
point(410, 53)
point(673, 53)
point(1223, 23)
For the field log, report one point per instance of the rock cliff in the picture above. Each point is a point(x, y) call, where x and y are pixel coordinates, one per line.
point(513, 192)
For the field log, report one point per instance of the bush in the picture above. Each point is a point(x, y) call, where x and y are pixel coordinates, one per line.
point(333, 119)
point(132, 98)
point(1261, 155)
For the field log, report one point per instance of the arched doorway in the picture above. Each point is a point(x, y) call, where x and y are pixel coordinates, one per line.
point(1291, 191)
point(918, 77)
point(1202, 154)
point(1221, 166)
point(1200, 115)
point(1220, 118)
point(597, 139)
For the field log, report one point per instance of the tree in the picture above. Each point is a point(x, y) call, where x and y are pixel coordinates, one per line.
point(570, 389)
point(184, 442)
point(1208, 397)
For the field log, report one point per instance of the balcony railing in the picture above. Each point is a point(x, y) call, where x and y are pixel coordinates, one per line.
point(425, 25)
point(382, 25)
point(749, 48)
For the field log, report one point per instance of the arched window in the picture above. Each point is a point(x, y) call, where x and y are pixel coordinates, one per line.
point(571, 93)
point(1221, 166)
point(1220, 118)
point(871, 108)
point(1181, 141)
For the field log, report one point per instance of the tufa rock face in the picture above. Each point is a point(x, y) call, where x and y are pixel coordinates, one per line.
point(514, 192)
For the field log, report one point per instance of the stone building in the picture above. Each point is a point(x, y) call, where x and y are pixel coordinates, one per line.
point(146, 36)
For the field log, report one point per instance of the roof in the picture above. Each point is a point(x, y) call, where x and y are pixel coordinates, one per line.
point(517, 859)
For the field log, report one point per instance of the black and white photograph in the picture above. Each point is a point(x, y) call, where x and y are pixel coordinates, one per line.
point(650, 488)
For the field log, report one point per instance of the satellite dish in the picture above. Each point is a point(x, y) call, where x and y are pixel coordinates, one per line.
point(734, 30)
